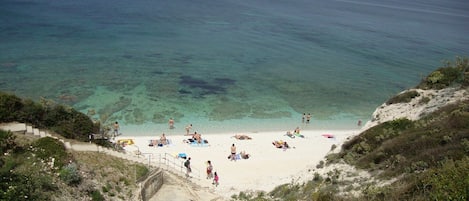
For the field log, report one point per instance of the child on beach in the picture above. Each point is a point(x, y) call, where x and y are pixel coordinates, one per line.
point(209, 170)
point(215, 179)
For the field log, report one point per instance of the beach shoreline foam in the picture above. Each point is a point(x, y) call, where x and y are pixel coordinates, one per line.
point(267, 166)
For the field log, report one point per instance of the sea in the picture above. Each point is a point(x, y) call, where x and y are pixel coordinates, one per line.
point(225, 66)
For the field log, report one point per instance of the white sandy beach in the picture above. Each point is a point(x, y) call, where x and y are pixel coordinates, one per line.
point(267, 167)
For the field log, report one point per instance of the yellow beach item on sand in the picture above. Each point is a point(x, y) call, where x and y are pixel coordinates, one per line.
point(126, 141)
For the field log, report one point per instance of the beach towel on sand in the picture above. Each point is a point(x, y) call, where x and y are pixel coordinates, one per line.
point(299, 135)
point(328, 135)
point(152, 143)
point(204, 143)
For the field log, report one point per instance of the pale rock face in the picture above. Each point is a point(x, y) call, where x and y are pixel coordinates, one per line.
point(417, 108)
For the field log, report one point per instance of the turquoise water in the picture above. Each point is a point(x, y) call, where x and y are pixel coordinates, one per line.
point(225, 66)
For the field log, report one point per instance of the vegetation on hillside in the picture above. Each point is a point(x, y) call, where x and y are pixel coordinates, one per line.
point(450, 75)
point(427, 159)
point(42, 169)
point(61, 119)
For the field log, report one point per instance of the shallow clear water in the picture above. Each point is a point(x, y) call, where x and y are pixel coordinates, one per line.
point(225, 66)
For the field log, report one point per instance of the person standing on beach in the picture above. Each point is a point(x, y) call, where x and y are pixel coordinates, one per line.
point(215, 179)
point(171, 123)
point(297, 130)
point(209, 170)
point(163, 140)
point(233, 152)
point(187, 164)
point(303, 118)
point(188, 128)
point(308, 118)
point(116, 129)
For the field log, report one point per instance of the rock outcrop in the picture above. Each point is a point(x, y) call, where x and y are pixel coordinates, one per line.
point(425, 103)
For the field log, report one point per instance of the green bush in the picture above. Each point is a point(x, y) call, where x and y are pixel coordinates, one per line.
point(449, 75)
point(400, 124)
point(62, 119)
point(21, 187)
point(96, 196)
point(47, 148)
point(403, 97)
point(19, 178)
point(320, 165)
point(141, 171)
point(7, 141)
point(9, 107)
point(70, 174)
point(31, 112)
point(450, 182)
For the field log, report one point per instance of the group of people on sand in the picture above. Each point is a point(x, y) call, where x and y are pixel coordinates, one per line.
point(209, 170)
point(211, 174)
point(161, 142)
point(295, 133)
point(281, 144)
point(195, 137)
point(234, 156)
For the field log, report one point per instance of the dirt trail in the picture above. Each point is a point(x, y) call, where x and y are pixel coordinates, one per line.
point(176, 188)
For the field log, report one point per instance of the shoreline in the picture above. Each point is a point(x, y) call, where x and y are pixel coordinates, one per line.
point(267, 166)
point(238, 126)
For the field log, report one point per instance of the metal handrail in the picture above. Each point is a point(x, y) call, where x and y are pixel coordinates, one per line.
point(171, 163)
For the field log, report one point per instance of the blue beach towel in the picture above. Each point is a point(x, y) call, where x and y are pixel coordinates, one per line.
point(202, 144)
point(299, 135)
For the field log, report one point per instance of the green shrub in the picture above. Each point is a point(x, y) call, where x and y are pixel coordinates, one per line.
point(403, 97)
point(19, 178)
point(105, 189)
point(450, 182)
point(64, 120)
point(96, 196)
point(317, 177)
point(332, 158)
point(376, 193)
point(70, 174)
point(47, 148)
point(459, 119)
point(424, 100)
point(141, 171)
point(400, 124)
point(70, 123)
point(7, 141)
point(31, 112)
point(448, 75)
point(320, 165)
point(287, 191)
point(465, 145)
point(9, 107)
